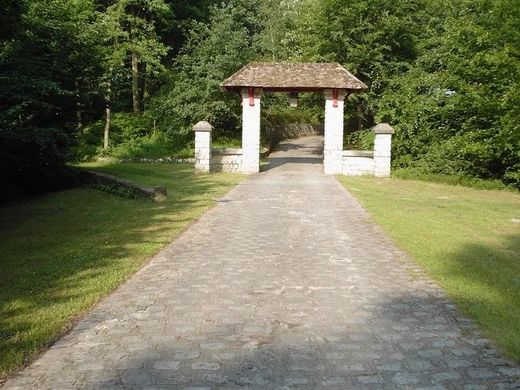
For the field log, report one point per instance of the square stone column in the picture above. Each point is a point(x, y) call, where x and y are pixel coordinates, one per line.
point(333, 147)
point(382, 149)
point(251, 129)
point(202, 146)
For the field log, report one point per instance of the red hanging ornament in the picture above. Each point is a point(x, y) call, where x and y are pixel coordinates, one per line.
point(251, 97)
point(335, 98)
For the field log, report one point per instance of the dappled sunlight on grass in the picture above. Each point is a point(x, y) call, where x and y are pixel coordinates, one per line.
point(64, 251)
point(465, 239)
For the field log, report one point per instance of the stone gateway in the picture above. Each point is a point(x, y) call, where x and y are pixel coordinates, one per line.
point(332, 80)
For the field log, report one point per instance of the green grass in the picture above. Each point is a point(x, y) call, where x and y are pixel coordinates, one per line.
point(468, 240)
point(415, 174)
point(62, 252)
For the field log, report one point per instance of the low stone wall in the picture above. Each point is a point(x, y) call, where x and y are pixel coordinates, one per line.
point(160, 160)
point(122, 187)
point(358, 162)
point(335, 160)
point(226, 160)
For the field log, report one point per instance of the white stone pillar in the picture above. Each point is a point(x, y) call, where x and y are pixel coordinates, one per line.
point(333, 147)
point(251, 129)
point(202, 146)
point(382, 149)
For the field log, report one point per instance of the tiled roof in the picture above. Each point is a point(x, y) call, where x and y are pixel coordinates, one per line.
point(285, 76)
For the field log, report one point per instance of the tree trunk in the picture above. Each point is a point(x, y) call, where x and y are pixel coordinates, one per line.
point(108, 111)
point(359, 117)
point(107, 126)
point(135, 84)
point(142, 85)
point(79, 121)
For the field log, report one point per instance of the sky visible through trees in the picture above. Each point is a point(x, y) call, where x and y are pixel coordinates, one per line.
point(84, 78)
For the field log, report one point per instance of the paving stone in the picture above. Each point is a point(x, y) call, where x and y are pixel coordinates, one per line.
point(419, 365)
point(286, 283)
point(389, 367)
point(216, 378)
point(166, 365)
point(403, 378)
point(205, 366)
point(212, 345)
point(445, 376)
point(370, 379)
point(481, 373)
point(510, 371)
point(337, 380)
point(430, 353)
point(182, 355)
point(293, 381)
point(458, 363)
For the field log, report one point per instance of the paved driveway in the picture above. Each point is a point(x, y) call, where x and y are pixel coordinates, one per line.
point(285, 284)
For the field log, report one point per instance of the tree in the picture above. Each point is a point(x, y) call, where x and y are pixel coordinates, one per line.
point(454, 108)
point(374, 39)
point(213, 51)
point(131, 37)
point(133, 32)
point(45, 62)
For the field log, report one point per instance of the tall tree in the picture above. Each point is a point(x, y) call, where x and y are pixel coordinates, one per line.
point(454, 108)
point(134, 33)
point(46, 60)
point(213, 51)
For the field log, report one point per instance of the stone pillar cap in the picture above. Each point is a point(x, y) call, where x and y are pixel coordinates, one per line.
point(203, 126)
point(383, 128)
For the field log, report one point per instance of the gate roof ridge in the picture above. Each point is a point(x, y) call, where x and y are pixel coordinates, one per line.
point(294, 76)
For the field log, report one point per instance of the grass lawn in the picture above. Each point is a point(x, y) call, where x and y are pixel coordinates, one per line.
point(467, 240)
point(62, 252)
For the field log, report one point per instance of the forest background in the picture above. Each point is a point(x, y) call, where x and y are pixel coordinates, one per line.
point(84, 79)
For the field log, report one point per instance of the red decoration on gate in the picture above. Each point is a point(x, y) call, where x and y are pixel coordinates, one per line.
point(334, 98)
point(251, 97)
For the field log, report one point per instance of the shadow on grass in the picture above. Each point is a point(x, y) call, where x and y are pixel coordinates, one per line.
point(63, 251)
point(484, 279)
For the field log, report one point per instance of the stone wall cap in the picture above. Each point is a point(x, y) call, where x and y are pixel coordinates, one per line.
point(226, 151)
point(358, 153)
point(383, 128)
point(203, 126)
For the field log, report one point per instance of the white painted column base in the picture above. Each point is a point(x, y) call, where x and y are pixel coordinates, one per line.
point(251, 131)
point(333, 145)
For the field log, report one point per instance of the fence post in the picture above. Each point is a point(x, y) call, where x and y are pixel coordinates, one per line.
point(382, 149)
point(203, 146)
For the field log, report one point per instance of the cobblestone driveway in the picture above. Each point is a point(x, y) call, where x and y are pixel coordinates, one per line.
point(285, 284)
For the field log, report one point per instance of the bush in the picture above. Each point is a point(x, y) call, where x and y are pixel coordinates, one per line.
point(359, 140)
point(131, 137)
point(156, 146)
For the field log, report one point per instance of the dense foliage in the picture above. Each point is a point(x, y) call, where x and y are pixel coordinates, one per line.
point(81, 78)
